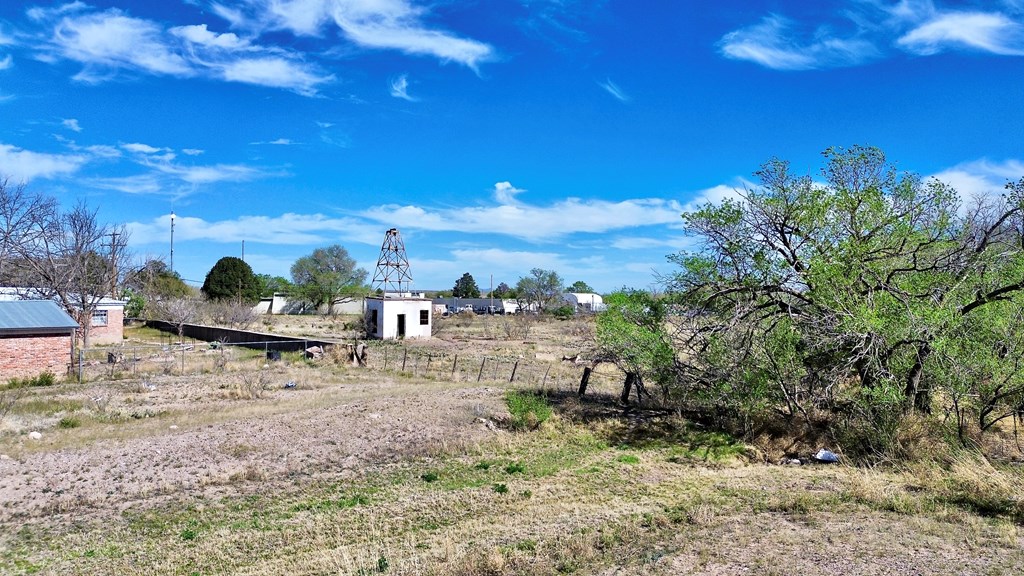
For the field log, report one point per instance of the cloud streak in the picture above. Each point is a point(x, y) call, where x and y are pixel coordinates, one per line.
point(400, 88)
point(865, 31)
point(613, 89)
point(530, 222)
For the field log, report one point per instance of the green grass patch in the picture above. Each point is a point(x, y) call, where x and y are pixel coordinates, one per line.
point(528, 410)
point(627, 459)
point(69, 422)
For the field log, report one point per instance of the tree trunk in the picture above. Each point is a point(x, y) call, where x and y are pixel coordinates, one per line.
point(627, 387)
point(915, 395)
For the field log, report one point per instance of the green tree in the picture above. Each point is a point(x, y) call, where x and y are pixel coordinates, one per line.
point(631, 333)
point(269, 285)
point(542, 288)
point(580, 287)
point(232, 279)
point(327, 277)
point(465, 287)
point(868, 296)
point(502, 291)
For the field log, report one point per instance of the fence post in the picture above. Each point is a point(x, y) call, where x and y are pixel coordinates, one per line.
point(455, 364)
point(514, 368)
point(385, 359)
point(405, 357)
point(544, 384)
point(79, 365)
point(480, 375)
point(584, 381)
point(426, 371)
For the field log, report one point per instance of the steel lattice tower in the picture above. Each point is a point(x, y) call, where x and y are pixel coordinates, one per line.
point(392, 274)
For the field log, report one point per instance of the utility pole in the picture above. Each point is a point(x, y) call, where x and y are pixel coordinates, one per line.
point(113, 263)
point(172, 241)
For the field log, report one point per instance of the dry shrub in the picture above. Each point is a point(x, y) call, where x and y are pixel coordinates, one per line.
point(517, 327)
point(249, 385)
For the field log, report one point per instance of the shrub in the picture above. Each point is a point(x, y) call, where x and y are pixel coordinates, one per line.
point(564, 312)
point(528, 410)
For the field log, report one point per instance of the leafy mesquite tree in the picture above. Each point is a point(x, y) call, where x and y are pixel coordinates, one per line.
point(861, 299)
point(631, 333)
point(501, 291)
point(542, 288)
point(465, 287)
point(579, 287)
point(232, 278)
point(327, 277)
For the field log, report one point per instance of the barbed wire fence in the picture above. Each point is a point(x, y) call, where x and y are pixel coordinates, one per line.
point(200, 357)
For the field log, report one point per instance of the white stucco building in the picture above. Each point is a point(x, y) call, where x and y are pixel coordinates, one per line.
point(396, 317)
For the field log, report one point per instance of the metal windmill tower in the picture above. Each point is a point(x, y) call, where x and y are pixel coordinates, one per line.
point(392, 274)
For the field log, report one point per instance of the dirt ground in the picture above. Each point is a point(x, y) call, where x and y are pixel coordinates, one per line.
point(197, 440)
point(111, 448)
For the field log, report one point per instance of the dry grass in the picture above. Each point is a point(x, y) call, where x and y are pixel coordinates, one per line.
point(358, 472)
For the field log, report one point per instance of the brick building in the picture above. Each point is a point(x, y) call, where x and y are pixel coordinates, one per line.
point(107, 322)
point(36, 336)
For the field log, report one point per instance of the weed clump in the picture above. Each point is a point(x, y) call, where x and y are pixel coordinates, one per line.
point(528, 410)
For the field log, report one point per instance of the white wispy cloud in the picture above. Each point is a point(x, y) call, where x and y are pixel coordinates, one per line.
point(774, 43)
point(71, 124)
point(287, 229)
point(400, 88)
point(613, 89)
point(397, 25)
point(25, 165)
point(981, 178)
point(140, 148)
point(376, 24)
point(871, 29)
point(533, 223)
point(110, 42)
point(505, 193)
point(6, 62)
point(275, 72)
point(191, 151)
point(986, 32)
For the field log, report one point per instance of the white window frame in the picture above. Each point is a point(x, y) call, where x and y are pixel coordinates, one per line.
point(100, 317)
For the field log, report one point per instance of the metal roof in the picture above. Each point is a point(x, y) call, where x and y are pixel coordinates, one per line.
point(27, 316)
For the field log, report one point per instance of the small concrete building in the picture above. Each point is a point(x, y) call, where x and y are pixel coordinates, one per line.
point(397, 317)
point(36, 336)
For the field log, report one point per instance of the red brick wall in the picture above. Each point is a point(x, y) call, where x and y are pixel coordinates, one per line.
point(29, 356)
point(113, 332)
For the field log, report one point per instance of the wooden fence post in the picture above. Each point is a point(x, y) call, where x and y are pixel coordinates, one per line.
point(405, 357)
point(544, 384)
point(480, 375)
point(514, 368)
point(584, 381)
point(455, 364)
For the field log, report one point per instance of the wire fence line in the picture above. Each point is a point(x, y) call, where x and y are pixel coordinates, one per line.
point(200, 357)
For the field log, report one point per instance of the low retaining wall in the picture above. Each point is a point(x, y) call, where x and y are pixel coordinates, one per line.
point(257, 340)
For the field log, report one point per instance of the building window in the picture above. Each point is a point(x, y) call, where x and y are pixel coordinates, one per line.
point(424, 317)
point(99, 318)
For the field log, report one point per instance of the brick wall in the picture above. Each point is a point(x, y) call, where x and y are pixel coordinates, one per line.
point(113, 332)
point(29, 356)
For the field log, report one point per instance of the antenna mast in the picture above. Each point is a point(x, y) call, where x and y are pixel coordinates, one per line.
point(392, 274)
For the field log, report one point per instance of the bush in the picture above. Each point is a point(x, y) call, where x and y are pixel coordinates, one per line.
point(528, 410)
point(564, 312)
point(44, 379)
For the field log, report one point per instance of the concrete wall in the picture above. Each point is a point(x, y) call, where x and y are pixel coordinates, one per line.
point(29, 356)
point(389, 310)
point(257, 340)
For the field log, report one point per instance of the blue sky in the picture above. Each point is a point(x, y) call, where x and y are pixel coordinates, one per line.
point(497, 135)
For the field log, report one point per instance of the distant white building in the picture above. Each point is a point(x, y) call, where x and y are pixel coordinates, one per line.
point(585, 301)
